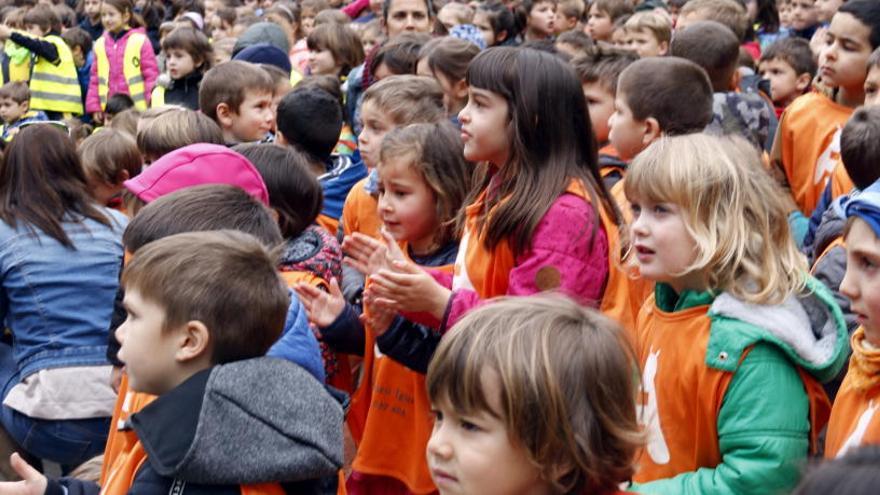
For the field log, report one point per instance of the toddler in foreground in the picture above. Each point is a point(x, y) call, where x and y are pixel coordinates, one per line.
point(538, 391)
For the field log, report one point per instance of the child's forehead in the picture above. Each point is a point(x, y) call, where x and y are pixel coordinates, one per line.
point(861, 236)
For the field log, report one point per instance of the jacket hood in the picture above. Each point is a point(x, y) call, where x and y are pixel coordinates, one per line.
point(830, 228)
point(809, 328)
point(254, 421)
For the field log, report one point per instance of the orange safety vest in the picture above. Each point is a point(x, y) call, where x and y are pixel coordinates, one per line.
point(124, 454)
point(392, 399)
point(683, 434)
point(361, 212)
point(809, 146)
point(855, 419)
point(841, 184)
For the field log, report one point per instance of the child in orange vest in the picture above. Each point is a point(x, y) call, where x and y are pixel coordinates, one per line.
point(310, 254)
point(737, 337)
point(854, 419)
point(599, 71)
point(198, 347)
point(807, 144)
point(540, 217)
point(423, 180)
point(533, 395)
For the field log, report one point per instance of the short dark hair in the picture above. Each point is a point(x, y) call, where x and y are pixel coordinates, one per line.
point(400, 54)
point(673, 90)
point(868, 13)
point(77, 36)
point(229, 83)
point(793, 51)
point(603, 64)
point(310, 120)
point(244, 305)
point(712, 46)
point(577, 39)
point(193, 42)
point(339, 40)
point(118, 103)
point(199, 209)
point(853, 474)
point(615, 9)
point(17, 91)
point(860, 146)
point(294, 192)
point(42, 15)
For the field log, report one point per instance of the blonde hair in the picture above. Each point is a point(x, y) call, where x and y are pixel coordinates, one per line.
point(731, 208)
point(175, 128)
point(568, 379)
point(657, 24)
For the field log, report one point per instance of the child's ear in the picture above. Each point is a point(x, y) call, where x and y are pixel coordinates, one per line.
point(194, 341)
point(735, 79)
point(460, 89)
point(663, 46)
point(280, 140)
point(652, 131)
point(121, 177)
point(500, 36)
point(803, 82)
point(224, 115)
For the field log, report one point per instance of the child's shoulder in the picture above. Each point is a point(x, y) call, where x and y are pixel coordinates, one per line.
point(814, 105)
point(807, 328)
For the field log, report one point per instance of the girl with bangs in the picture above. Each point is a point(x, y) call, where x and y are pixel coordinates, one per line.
point(539, 217)
point(737, 338)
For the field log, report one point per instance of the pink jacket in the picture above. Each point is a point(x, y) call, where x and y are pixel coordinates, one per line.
point(561, 240)
point(117, 83)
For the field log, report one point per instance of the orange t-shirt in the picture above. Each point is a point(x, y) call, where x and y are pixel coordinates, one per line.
point(808, 146)
point(390, 419)
point(361, 212)
point(855, 420)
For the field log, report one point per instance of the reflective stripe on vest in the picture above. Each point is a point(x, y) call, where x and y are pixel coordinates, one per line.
point(157, 99)
point(53, 87)
point(131, 69)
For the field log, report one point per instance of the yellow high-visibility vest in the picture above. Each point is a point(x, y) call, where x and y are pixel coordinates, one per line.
point(157, 98)
point(56, 88)
point(131, 69)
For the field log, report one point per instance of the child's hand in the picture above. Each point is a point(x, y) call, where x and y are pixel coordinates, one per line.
point(379, 319)
point(409, 288)
point(322, 308)
point(32, 483)
point(368, 255)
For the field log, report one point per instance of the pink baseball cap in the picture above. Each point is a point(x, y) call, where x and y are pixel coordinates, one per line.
point(196, 165)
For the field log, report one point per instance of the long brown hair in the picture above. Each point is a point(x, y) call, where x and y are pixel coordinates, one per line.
point(551, 143)
point(42, 183)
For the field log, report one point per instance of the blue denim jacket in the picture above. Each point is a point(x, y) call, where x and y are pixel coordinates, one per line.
point(56, 300)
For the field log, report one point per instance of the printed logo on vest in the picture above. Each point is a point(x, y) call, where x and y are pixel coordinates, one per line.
point(649, 414)
point(136, 61)
point(855, 439)
point(828, 159)
point(177, 487)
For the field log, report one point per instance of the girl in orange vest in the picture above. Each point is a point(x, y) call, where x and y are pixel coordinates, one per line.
point(533, 395)
point(737, 337)
point(534, 222)
point(855, 420)
point(423, 179)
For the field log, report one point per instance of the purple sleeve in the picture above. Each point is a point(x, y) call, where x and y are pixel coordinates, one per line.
point(93, 101)
point(565, 256)
point(355, 8)
point(149, 69)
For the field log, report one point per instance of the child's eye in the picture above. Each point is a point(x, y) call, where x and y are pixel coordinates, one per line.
point(468, 426)
point(438, 416)
point(866, 264)
point(636, 210)
point(661, 209)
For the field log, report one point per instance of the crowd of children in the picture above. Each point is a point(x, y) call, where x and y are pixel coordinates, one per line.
point(413, 247)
